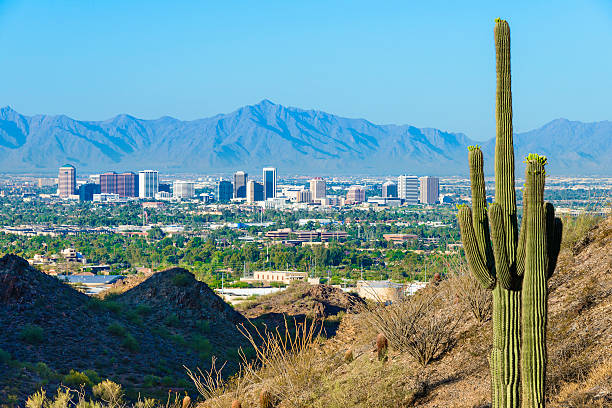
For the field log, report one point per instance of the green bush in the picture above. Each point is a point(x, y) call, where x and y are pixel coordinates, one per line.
point(181, 279)
point(201, 344)
point(203, 326)
point(5, 356)
point(93, 376)
point(172, 320)
point(116, 330)
point(76, 379)
point(32, 334)
point(143, 310)
point(151, 381)
point(130, 343)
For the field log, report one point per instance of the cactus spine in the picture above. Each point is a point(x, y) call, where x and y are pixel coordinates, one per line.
point(542, 243)
point(515, 266)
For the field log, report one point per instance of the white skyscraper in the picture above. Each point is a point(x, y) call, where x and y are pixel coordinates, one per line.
point(318, 188)
point(408, 189)
point(148, 183)
point(429, 190)
point(269, 182)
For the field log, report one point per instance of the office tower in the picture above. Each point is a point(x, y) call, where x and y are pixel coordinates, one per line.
point(269, 182)
point(389, 189)
point(127, 184)
point(429, 190)
point(240, 184)
point(254, 191)
point(318, 188)
point(66, 181)
point(183, 189)
point(304, 196)
point(108, 183)
point(124, 184)
point(355, 194)
point(408, 189)
point(148, 183)
point(87, 191)
point(224, 191)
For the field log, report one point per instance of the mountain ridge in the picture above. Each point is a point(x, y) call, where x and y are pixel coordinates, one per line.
point(293, 139)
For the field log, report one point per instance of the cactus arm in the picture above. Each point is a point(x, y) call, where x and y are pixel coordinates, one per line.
point(479, 205)
point(535, 292)
point(472, 253)
point(554, 230)
point(502, 267)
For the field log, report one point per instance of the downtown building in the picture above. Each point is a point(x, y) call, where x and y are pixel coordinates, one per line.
point(429, 190)
point(124, 184)
point(408, 189)
point(318, 189)
point(269, 182)
point(389, 190)
point(225, 191)
point(148, 183)
point(240, 184)
point(66, 181)
point(183, 189)
point(254, 192)
point(355, 195)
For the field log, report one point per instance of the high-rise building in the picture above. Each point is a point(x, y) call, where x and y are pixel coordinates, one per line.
point(183, 189)
point(429, 190)
point(304, 196)
point(87, 191)
point(124, 184)
point(240, 184)
point(318, 189)
point(254, 191)
point(66, 181)
point(148, 183)
point(224, 191)
point(355, 194)
point(389, 189)
point(269, 182)
point(408, 189)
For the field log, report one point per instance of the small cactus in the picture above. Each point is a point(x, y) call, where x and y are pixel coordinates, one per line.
point(348, 356)
point(381, 346)
point(236, 404)
point(186, 401)
point(265, 399)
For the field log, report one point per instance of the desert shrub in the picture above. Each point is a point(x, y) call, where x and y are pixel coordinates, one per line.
point(32, 334)
point(130, 343)
point(181, 279)
point(575, 230)
point(151, 380)
point(420, 325)
point(76, 379)
point(134, 317)
point(475, 298)
point(172, 320)
point(178, 339)
point(203, 326)
point(201, 344)
point(210, 384)
point(116, 330)
point(143, 310)
point(109, 392)
point(5, 356)
point(93, 376)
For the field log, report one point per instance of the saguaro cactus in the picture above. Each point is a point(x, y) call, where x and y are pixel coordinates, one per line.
point(507, 262)
point(542, 243)
point(492, 255)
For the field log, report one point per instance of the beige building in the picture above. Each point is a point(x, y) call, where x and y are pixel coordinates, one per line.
point(278, 276)
point(355, 195)
point(66, 181)
point(318, 189)
point(429, 190)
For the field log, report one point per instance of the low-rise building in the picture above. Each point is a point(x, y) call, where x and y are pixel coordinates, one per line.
point(277, 276)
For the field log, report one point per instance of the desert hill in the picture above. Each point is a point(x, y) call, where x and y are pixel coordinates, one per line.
point(140, 339)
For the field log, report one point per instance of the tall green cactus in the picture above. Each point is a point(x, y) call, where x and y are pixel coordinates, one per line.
point(542, 243)
point(492, 256)
point(507, 262)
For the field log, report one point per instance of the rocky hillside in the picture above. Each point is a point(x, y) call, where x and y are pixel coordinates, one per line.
point(345, 371)
point(295, 140)
point(141, 338)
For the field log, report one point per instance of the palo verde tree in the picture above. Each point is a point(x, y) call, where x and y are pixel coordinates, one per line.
point(497, 254)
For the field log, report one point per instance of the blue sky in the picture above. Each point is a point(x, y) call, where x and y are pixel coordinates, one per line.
point(428, 63)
